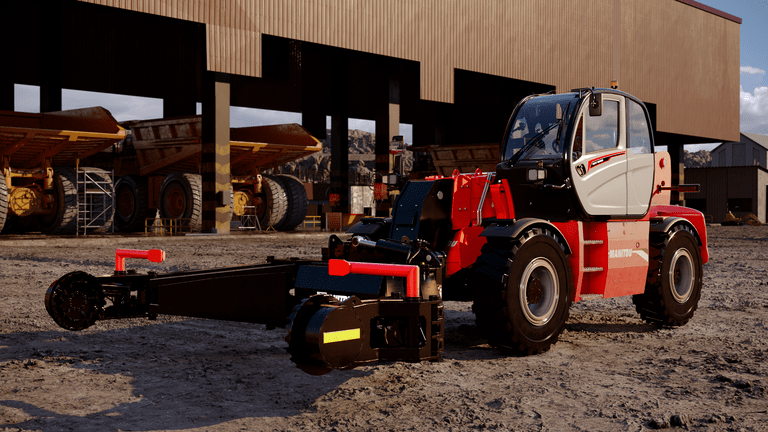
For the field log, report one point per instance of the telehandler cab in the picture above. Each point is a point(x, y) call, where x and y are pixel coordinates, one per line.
point(578, 208)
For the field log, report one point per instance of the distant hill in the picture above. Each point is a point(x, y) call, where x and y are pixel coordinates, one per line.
point(317, 167)
point(699, 159)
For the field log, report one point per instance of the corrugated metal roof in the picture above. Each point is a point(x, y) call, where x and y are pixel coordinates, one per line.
point(757, 139)
point(712, 10)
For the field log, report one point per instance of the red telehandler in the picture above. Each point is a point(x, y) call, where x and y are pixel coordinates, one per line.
point(578, 208)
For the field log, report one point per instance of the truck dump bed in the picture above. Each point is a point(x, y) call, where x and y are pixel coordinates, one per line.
point(465, 158)
point(167, 145)
point(28, 139)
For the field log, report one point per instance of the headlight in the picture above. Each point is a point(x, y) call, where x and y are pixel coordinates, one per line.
point(536, 174)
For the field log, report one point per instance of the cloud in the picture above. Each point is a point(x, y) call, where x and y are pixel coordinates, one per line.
point(754, 110)
point(752, 70)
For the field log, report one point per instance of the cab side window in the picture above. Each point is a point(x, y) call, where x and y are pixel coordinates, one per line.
point(602, 132)
point(639, 132)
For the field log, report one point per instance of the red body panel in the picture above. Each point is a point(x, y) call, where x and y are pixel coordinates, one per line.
point(625, 257)
point(502, 200)
point(462, 194)
point(464, 249)
point(622, 257)
point(573, 231)
point(695, 217)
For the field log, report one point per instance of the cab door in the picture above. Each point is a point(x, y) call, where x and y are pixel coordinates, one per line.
point(640, 160)
point(599, 159)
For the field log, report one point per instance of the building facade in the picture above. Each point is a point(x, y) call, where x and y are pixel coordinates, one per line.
point(751, 149)
point(741, 190)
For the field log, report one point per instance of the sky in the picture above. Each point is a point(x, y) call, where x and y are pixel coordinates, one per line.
point(753, 91)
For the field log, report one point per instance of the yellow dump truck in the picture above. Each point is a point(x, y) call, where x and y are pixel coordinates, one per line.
point(43, 185)
point(158, 171)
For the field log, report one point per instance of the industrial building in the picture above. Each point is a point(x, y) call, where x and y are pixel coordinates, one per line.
point(454, 70)
point(741, 190)
point(750, 150)
point(736, 180)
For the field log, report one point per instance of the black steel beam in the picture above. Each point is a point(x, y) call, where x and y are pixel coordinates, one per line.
point(256, 293)
point(340, 132)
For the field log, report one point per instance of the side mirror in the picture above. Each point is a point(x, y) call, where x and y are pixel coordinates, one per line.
point(595, 105)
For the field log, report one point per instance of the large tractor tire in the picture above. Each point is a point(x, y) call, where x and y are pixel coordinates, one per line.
point(297, 202)
point(181, 196)
point(100, 205)
point(132, 203)
point(63, 219)
point(3, 201)
point(272, 203)
point(522, 291)
point(674, 281)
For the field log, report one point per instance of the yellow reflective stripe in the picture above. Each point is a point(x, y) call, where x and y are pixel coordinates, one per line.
point(341, 335)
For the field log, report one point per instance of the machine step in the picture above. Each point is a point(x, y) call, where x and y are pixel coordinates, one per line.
point(591, 296)
point(592, 269)
point(592, 242)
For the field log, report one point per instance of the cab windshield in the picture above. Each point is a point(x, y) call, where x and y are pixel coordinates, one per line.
point(535, 131)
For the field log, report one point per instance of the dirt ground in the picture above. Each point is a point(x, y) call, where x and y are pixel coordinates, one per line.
point(610, 371)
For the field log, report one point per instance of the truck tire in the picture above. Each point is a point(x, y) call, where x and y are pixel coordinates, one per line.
point(100, 205)
point(522, 294)
point(673, 288)
point(274, 203)
point(63, 219)
point(132, 203)
point(297, 202)
point(3, 201)
point(181, 196)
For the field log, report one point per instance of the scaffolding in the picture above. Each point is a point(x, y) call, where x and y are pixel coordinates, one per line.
point(95, 201)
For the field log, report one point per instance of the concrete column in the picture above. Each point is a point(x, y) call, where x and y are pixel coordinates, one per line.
point(677, 154)
point(215, 157)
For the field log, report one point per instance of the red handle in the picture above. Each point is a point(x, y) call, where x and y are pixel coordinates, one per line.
point(154, 255)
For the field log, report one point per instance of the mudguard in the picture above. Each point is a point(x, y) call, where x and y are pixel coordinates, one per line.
point(512, 229)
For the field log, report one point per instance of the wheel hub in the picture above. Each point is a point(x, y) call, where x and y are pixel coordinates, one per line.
point(535, 291)
point(24, 201)
point(681, 275)
point(176, 202)
point(539, 291)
